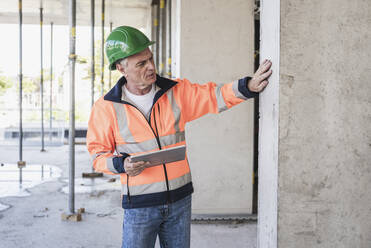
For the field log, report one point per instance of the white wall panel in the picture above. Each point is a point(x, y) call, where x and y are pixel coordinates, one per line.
point(214, 42)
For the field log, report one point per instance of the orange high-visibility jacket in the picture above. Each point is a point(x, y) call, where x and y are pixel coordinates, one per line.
point(117, 129)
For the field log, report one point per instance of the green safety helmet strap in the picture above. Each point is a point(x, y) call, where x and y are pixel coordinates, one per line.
point(123, 42)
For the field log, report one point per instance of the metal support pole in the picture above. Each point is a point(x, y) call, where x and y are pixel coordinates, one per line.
point(20, 178)
point(21, 163)
point(42, 80)
point(71, 137)
point(162, 37)
point(20, 83)
point(168, 38)
point(102, 49)
point(155, 31)
point(109, 71)
point(93, 174)
point(92, 15)
point(51, 83)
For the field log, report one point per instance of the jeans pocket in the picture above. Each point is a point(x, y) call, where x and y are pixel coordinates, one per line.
point(137, 216)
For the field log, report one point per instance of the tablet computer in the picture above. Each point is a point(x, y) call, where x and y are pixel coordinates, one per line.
point(162, 156)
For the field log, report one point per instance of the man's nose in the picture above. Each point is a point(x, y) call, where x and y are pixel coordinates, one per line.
point(151, 66)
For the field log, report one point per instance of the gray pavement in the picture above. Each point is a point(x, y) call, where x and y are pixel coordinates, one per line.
point(33, 218)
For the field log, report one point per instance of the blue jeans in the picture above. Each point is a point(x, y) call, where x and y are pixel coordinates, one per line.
point(171, 222)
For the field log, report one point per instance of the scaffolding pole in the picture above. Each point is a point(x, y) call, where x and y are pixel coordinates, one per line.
point(51, 83)
point(162, 37)
point(155, 30)
point(20, 83)
point(71, 136)
point(92, 68)
point(102, 49)
point(21, 163)
point(92, 174)
point(109, 71)
point(168, 38)
point(42, 80)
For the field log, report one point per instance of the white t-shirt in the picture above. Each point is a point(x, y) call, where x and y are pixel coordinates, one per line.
point(142, 102)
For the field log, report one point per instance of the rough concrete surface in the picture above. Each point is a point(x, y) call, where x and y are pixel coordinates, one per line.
point(35, 220)
point(325, 131)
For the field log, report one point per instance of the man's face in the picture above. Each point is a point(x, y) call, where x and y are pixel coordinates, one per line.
point(140, 70)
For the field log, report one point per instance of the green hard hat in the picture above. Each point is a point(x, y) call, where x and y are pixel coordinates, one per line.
point(123, 42)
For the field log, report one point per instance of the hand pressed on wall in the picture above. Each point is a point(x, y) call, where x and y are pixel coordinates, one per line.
point(260, 79)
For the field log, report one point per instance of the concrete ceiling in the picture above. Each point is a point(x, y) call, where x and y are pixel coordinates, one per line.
point(120, 12)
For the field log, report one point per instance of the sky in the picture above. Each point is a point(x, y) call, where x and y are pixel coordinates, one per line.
point(9, 47)
point(9, 63)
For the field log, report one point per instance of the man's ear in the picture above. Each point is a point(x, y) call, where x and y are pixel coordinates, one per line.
point(121, 69)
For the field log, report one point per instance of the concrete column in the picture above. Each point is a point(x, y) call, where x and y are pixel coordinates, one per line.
point(220, 147)
point(324, 138)
point(325, 131)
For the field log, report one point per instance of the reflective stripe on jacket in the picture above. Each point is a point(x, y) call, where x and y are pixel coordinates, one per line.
point(117, 129)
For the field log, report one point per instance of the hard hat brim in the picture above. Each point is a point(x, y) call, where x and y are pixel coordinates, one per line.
point(112, 66)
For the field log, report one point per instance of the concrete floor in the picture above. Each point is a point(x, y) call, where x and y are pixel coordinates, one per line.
point(34, 220)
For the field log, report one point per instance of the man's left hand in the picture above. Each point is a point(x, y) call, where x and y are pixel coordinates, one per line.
point(260, 79)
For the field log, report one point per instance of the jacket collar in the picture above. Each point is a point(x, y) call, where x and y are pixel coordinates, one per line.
point(114, 95)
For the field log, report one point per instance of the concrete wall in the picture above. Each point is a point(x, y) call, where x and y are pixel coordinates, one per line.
point(325, 124)
point(214, 42)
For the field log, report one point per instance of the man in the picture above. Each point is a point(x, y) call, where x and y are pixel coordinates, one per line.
point(145, 112)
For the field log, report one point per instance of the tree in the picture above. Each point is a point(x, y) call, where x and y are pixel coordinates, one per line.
point(30, 85)
point(5, 84)
point(98, 71)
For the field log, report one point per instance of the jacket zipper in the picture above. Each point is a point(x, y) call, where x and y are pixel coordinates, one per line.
point(158, 144)
point(127, 185)
point(163, 165)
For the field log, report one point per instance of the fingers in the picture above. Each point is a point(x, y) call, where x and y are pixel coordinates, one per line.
point(137, 165)
point(259, 87)
point(264, 76)
point(134, 169)
point(136, 172)
point(262, 85)
point(264, 66)
point(260, 69)
point(260, 78)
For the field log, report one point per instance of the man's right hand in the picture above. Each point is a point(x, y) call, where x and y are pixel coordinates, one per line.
point(134, 169)
point(260, 79)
